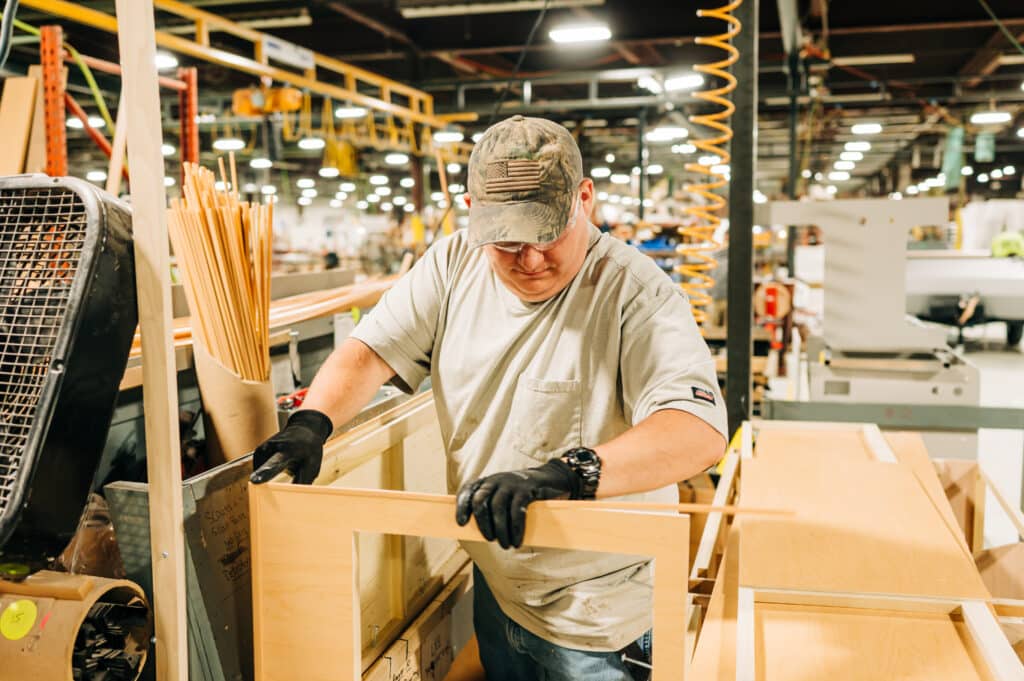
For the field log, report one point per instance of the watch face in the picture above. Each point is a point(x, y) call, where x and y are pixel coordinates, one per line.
point(584, 456)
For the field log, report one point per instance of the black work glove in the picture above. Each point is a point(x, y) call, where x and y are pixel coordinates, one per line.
point(299, 448)
point(499, 501)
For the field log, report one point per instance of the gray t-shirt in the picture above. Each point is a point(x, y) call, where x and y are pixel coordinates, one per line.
point(518, 383)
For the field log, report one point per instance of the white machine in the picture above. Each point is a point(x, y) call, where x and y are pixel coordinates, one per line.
point(871, 351)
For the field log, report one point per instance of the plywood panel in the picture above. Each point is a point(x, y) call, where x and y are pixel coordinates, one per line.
point(861, 526)
point(825, 443)
point(16, 106)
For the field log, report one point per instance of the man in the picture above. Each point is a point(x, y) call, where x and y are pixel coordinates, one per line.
point(564, 364)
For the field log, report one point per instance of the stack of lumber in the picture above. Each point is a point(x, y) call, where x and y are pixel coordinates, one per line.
point(870, 580)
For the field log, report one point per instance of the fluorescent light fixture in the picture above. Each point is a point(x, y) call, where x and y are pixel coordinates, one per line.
point(614, 198)
point(874, 59)
point(687, 81)
point(335, 203)
point(386, 206)
point(396, 159)
point(329, 172)
point(167, 149)
point(896, 196)
point(818, 177)
point(684, 148)
point(347, 187)
point(229, 144)
point(250, 187)
point(912, 190)
point(96, 175)
point(311, 143)
point(408, 208)
point(344, 112)
point(832, 189)
point(610, 158)
point(990, 117)
point(967, 170)
point(996, 174)
point(436, 196)
point(341, 196)
point(866, 128)
point(850, 156)
point(667, 134)
point(362, 205)
point(454, 188)
point(934, 182)
point(448, 136)
point(477, 136)
point(399, 200)
point(305, 200)
point(220, 186)
point(709, 160)
point(636, 170)
point(1020, 132)
point(165, 61)
point(261, 163)
point(757, 229)
point(168, 181)
point(407, 182)
point(443, 203)
point(94, 121)
point(382, 191)
point(619, 178)
point(268, 190)
point(655, 169)
point(720, 169)
point(857, 146)
point(305, 183)
point(759, 197)
point(373, 198)
point(453, 168)
point(805, 173)
point(651, 84)
point(271, 199)
point(602, 196)
point(601, 172)
point(844, 165)
point(647, 202)
point(580, 34)
point(983, 178)
point(1009, 170)
point(309, 193)
point(839, 176)
point(378, 180)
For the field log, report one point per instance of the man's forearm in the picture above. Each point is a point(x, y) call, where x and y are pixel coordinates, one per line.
point(347, 381)
point(663, 449)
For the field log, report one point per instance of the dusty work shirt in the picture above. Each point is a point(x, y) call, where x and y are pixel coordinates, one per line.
point(518, 383)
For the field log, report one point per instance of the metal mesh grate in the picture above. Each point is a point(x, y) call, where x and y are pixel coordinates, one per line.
point(42, 232)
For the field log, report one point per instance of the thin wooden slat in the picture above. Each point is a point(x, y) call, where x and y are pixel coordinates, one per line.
point(1001, 658)
point(152, 271)
point(1014, 513)
point(35, 158)
point(117, 152)
point(16, 106)
point(709, 538)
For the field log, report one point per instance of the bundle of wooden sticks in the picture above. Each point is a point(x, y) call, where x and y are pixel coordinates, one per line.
point(223, 248)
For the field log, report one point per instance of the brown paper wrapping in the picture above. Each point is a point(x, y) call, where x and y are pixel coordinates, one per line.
point(241, 414)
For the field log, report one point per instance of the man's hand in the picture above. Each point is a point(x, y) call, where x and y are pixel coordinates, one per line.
point(499, 501)
point(299, 448)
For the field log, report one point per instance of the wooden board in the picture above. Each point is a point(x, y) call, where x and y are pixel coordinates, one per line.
point(861, 526)
point(961, 484)
point(17, 103)
point(304, 618)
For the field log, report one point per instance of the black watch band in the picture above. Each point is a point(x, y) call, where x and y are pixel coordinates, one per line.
point(586, 464)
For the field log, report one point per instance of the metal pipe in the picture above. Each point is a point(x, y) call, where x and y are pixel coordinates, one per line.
point(739, 345)
point(110, 67)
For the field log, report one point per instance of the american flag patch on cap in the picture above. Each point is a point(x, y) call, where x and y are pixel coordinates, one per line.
point(512, 176)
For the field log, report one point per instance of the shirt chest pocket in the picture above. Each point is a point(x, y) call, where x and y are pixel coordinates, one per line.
point(545, 418)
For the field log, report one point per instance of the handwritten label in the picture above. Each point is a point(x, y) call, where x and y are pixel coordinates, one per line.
point(18, 619)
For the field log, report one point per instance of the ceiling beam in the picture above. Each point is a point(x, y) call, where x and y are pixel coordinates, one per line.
point(986, 59)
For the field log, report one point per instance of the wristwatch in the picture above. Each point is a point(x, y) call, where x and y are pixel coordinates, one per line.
point(586, 464)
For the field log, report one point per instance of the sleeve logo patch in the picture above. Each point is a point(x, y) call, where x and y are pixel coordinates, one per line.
point(703, 395)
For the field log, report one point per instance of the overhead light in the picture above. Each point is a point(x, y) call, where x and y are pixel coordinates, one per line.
point(866, 128)
point(477, 136)
point(373, 198)
point(666, 134)
point(453, 168)
point(839, 176)
point(396, 159)
point(759, 197)
point(967, 170)
point(454, 188)
point(818, 177)
point(443, 203)
point(386, 207)
point(94, 122)
point(408, 208)
point(1009, 170)
point(610, 158)
point(720, 169)
point(805, 173)
point(619, 178)
point(329, 172)
point(96, 175)
point(407, 182)
point(305, 183)
point(167, 149)
point(684, 148)
point(309, 193)
point(874, 59)
point(636, 170)
point(261, 163)
point(350, 112)
point(983, 178)
point(165, 61)
point(1020, 132)
point(311, 143)
point(990, 117)
point(378, 180)
point(168, 181)
point(436, 196)
point(655, 169)
point(614, 198)
point(229, 144)
point(996, 174)
point(347, 187)
point(935, 182)
point(206, 118)
point(448, 136)
point(647, 202)
point(709, 160)
point(399, 200)
point(602, 196)
point(651, 84)
point(601, 172)
point(580, 34)
point(832, 189)
point(844, 165)
point(382, 191)
point(912, 190)
point(220, 186)
point(340, 196)
point(850, 156)
point(335, 203)
point(687, 81)
point(305, 201)
point(362, 205)
point(268, 190)
point(857, 146)
point(249, 187)
point(896, 196)
point(271, 199)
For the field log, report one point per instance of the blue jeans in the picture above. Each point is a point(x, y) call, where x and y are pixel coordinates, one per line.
point(510, 653)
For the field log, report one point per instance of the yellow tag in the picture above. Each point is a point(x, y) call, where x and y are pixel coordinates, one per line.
point(18, 619)
point(357, 314)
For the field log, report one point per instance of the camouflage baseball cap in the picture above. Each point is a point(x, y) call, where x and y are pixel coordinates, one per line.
point(523, 177)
